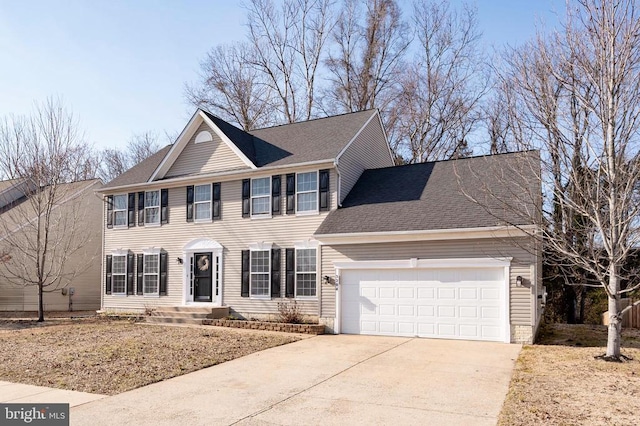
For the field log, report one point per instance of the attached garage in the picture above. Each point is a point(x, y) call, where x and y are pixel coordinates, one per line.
point(446, 298)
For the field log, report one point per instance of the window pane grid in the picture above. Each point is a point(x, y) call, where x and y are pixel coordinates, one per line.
point(151, 268)
point(203, 210)
point(152, 207)
point(260, 196)
point(306, 272)
point(260, 268)
point(120, 210)
point(152, 199)
point(307, 192)
point(118, 274)
point(202, 193)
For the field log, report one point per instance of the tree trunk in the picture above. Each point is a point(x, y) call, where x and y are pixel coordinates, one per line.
point(40, 304)
point(615, 320)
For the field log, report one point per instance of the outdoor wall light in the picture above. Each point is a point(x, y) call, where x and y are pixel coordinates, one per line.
point(179, 260)
point(519, 281)
point(326, 279)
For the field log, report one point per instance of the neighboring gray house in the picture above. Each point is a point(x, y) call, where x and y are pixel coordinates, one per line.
point(317, 212)
point(78, 287)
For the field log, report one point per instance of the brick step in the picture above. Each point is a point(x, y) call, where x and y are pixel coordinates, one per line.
point(201, 309)
point(173, 320)
point(177, 314)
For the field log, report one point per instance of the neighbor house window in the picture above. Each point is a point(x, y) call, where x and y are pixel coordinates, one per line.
point(151, 273)
point(119, 274)
point(261, 197)
point(260, 272)
point(306, 272)
point(152, 207)
point(120, 210)
point(307, 192)
point(202, 202)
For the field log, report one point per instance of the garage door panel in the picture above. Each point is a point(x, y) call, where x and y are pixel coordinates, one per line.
point(445, 303)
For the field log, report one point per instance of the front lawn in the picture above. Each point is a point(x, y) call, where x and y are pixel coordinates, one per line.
point(108, 357)
point(558, 381)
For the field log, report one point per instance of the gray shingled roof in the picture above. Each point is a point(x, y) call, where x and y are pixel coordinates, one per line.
point(288, 144)
point(141, 172)
point(435, 196)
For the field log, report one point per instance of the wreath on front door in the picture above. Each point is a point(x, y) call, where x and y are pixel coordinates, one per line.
point(203, 263)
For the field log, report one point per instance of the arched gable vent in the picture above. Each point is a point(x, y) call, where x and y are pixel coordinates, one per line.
point(203, 136)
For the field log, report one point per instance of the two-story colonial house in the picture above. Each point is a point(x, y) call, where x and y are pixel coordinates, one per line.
point(317, 212)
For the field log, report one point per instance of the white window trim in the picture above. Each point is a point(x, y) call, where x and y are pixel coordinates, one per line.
point(251, 197)
point(119, 253)
point(152, 207)
point(195, 203)
point(203, 136)
point(152, 251)
point(255, 247)
point(125, 210)
point(304, 246)
point(317, 191)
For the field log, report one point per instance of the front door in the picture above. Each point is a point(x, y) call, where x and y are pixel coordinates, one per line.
point(202, 266)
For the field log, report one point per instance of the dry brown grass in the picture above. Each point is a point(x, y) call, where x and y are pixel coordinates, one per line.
point(109, 357)
point(558, 381)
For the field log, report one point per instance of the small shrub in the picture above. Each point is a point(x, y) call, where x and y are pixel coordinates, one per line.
point(289, 312)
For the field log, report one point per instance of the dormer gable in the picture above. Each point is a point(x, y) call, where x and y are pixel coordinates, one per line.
point(203, 147)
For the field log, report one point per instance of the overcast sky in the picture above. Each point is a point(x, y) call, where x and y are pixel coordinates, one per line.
point(121, 65)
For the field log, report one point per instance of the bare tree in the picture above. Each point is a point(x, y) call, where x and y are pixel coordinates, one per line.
point(366, 62)
point(288, 44)
point(232, 88)
point(41, 238)
point(114, 162)
point(580, 92)
point(443, 86)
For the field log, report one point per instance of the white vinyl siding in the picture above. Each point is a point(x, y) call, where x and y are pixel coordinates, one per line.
point(151, 271)
point(234, 233)
point(307, 192)
point(119, 274)
point(260, 273)
point(152, 208)
point(209, 157)
point(306, 272)
point(202, 203)
point(261, 197)
point(120, 204)
point(368, 150)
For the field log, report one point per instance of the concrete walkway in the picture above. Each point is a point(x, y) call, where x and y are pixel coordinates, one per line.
point(328, 380)
point(19, 393)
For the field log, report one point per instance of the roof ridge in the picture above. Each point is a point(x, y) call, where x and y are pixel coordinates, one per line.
point(314, 119)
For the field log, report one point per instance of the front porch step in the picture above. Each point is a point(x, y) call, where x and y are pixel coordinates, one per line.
point(177, 314)
point(173, 320)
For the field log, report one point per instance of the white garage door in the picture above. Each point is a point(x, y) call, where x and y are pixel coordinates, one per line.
point(444, 303)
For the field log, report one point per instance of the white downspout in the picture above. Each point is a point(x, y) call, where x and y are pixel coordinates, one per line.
point(339, 184)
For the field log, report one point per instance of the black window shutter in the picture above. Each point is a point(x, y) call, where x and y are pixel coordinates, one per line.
point(276, 187)
point(244, 292)
point(246, 197)
point(275, 273)
point(130, 273)
point(291, 273)
point(163, 273)
point(109, 211)
point(190, 203)
point(164, 206)
point(140, 271)
point(324, 190)
point(291, 193)
point(107, 274)
point(141, 208)
point(131, 206)
point(216, 211)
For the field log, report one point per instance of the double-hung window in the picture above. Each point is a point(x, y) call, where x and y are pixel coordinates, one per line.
point(306, 272)
point(152, 207)
point(151, 273)
point(260, 273)
point(120, 205)
point(261, 197)
point(307, 192)
point(202, 202)
point(119, 274)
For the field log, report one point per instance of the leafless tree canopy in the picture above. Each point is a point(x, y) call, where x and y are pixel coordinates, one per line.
point(40, 236)
point(575, 95)
point(114, 162)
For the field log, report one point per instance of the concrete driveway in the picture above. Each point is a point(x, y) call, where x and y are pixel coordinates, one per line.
point(328, 380)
